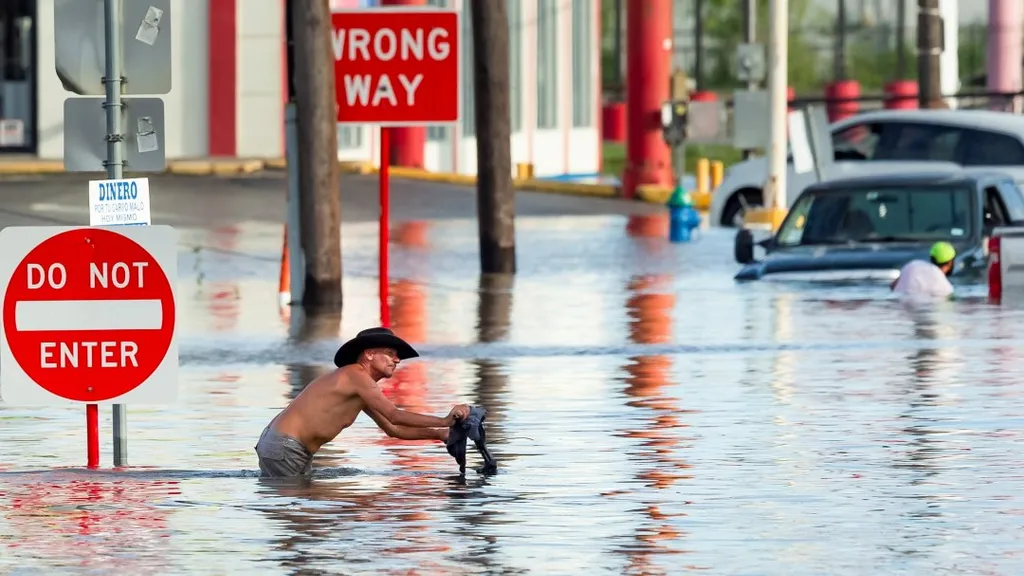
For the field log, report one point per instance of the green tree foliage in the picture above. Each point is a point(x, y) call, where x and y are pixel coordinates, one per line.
point(723, 22)
point(870, 51)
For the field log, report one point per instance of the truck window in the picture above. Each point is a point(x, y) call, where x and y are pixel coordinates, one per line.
point(994, 212)
point(922, 142)
point(1013, 199)
point(992, 149)
point(857, 142)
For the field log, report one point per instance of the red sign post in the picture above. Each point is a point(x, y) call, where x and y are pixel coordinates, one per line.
point(396, 67)
point(88, 317)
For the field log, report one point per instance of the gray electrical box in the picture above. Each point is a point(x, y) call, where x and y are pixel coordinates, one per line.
point(751, 63)
point(751, 119)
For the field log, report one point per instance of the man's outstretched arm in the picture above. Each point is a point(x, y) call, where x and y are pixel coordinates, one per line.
point(375, 400)
point(405, 432)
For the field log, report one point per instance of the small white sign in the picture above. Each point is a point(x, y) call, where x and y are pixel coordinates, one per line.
point(119, 202)
point(12, 132)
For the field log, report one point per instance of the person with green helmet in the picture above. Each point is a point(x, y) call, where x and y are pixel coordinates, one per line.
point(921, 278)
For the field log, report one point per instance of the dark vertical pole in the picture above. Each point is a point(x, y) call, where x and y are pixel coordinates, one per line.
point(901, 47)
point(929, 48)
point(698, 33)
point(319, 197)
point(618, 43)
point(495, 195)
point(749, 37)
point(289, 42)
point(840, 55)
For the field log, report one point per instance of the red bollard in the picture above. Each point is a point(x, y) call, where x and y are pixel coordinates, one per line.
point(901, 95)
point(995, 270)
point(790, 96)
point(840, 97)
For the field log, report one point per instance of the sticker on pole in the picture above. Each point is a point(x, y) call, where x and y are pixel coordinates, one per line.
point(89, 315)
point(397, 66)
point(119, 202)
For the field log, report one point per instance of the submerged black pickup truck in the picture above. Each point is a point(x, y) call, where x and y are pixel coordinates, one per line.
point(870, 226)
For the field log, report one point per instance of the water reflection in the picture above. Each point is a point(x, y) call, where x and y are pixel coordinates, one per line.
point(354, 519)
point(87, 525)
point(478, 521)
point(905, 452)
point(649, 309)
point(934, 373)
point(928, 447)
point(409, 387)
point(308, 326)
point(222, 295)
point(784, 366)
point(654, 226)
point(494, 320)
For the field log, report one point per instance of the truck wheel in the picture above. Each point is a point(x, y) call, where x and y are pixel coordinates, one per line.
point(738, 204)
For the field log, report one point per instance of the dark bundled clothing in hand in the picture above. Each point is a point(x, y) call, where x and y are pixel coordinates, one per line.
point(472, 428)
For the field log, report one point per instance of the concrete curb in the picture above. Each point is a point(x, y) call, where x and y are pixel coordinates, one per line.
point(234, 167)
point(33, 167)
point(214, 167)
point(661, 194)
point(531, 184)
point(199, 167)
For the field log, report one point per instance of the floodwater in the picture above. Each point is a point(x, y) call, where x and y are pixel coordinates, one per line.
point(649, 416)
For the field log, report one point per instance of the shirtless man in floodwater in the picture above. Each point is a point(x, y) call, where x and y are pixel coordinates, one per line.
point(330, 403)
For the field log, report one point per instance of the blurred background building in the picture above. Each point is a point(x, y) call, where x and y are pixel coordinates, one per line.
point(567, 62)
point(229, 85)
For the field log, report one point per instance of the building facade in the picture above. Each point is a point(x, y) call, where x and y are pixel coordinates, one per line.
point(229, 85)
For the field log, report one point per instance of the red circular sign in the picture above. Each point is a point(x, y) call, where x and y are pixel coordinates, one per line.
point(89, 315)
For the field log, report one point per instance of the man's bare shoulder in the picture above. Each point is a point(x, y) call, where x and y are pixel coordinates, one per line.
point(351, 379)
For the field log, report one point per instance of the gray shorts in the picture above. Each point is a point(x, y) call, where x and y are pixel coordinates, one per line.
point(282, 456)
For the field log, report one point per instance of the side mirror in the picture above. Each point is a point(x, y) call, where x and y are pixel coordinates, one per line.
point(743, 246)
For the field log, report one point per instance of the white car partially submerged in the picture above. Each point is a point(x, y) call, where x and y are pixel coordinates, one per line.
point(886, 141)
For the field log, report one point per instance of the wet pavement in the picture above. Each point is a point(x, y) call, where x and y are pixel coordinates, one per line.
point(648, 414)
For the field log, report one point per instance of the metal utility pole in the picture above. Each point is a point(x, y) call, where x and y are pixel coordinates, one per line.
point(778, 75)
point(929, 49)
point(618, 43)
point(750, 30)
point(494, 192)
point(901, 34)
point(749, 37)
point(112, 78)
point(698, 33)
point(319, 196)
point(840, 55)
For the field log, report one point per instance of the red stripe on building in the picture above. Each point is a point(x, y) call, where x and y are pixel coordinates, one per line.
point(222, 45)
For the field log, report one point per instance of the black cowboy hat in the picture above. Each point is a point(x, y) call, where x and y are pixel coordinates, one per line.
point(372, 338)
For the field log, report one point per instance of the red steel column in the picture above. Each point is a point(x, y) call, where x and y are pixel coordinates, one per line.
point(649, 65)
point(407, 143)
point(220, 84)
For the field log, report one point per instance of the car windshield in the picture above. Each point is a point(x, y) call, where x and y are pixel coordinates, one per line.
point(883, 214)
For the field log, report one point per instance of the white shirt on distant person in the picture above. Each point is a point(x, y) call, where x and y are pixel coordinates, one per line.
point(922, 278)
